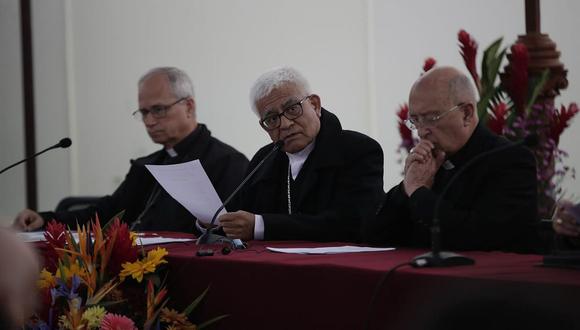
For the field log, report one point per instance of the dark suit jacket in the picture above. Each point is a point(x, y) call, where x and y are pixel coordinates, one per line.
point(340, 184)
point(493, 206)
point(223, 164)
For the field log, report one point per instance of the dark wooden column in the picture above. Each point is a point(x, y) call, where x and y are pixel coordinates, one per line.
point(543, 55)
point(28, 95)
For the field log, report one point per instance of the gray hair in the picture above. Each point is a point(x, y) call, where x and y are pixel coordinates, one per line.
point(276, 78)
point(179, 81)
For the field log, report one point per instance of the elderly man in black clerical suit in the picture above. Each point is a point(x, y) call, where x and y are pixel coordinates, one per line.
point(168, 111)
point(491, 206)
point(323, 182)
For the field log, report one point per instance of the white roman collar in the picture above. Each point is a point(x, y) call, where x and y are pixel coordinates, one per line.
point(297, 159)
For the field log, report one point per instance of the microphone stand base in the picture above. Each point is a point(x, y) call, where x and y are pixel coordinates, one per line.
point(441, 259)
point(209, 238)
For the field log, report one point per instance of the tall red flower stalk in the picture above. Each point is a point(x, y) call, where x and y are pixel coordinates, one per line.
point(406, 134)
point(429, 64)
point(468, 51)
point(518, 86)
point(497, 120)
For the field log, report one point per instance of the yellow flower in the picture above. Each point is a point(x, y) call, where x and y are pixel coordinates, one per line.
point(63, 322)
point(94, 315)
point(133, 236)
point(140, 267)
point(172, 316)
point(46, 280)
point(69, 271)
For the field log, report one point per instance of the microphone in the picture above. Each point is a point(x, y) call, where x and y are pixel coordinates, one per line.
point(63, 143)
point(438, 258)
point(209, 237)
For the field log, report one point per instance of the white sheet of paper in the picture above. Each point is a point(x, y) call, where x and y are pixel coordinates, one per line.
point(329, 250)
point(188, 184)
point(161, 240)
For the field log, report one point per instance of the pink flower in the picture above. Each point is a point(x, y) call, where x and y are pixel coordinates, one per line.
point(496, 122)
point(518, 87)
point(429, 64)
point(468, 51)
point(117, 322)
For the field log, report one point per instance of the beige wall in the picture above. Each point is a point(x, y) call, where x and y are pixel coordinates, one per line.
point(360, 56)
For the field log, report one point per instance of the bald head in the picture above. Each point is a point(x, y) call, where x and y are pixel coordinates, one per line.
point(448, 84)
point(437, 91)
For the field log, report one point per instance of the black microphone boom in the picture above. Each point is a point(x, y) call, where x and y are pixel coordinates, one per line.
point(438, 258)
point(63, 143)
point(209, 237)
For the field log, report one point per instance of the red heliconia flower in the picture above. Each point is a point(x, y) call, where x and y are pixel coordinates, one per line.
point(429, 64)
point(518, 86)
point(561, 119)
point(468, 51)
point(496, 122)
point(404, 131)
point(56, 238)
point(123, 249)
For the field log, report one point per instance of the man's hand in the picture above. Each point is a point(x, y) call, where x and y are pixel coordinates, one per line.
point(421, 166)
point(563, 222)
point(28, 220)
point(18, 278)
point(239, 224)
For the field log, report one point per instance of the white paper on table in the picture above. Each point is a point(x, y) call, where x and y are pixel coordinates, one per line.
point(329, 250)
point(161, 240)
point(38, 236)
point(188, 184)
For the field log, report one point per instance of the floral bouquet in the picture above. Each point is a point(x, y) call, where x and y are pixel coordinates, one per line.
point(512, 110)
point(102, 280)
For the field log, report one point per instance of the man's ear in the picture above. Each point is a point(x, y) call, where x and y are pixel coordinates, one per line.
point(190, 102)
point(469, 114)
point(315, 101)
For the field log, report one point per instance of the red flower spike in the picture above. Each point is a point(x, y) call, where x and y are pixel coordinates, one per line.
point(468, 51)
point(405, 133)
point(496, 121)
point(429, 64)
point(56, 239)
point(561, 120)
point(518, 87)
point(122, 250)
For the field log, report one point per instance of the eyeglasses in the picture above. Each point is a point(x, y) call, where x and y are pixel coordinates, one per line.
point(157, 111)
point(429, 120)
point(274, 120)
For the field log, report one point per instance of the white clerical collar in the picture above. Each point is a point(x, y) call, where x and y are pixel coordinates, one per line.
point(171, 152)
point(297, 159)
point(448, 165)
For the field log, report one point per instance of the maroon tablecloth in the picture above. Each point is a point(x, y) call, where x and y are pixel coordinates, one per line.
point(265, 290)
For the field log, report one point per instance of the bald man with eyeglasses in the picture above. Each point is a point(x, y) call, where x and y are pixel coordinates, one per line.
point(167, 109)
point(492, 206)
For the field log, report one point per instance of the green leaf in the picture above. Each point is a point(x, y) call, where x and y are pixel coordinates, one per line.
point(196, 302)
point(212, 321)
point(537, 86)
point(489, 67)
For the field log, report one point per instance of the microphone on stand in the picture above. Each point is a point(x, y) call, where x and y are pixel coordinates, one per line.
point(438, 258)
point(63, 143)
point(208, 237)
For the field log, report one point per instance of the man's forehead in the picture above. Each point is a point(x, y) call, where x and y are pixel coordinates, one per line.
point(279, 98)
